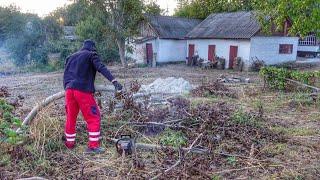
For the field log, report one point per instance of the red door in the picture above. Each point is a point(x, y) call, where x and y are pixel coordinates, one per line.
point(191, 50)
point(149, 53)
point(190, 54)
point(233, 54)
point(211, 52)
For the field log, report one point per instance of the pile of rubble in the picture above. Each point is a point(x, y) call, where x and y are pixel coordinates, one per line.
point(168, 85)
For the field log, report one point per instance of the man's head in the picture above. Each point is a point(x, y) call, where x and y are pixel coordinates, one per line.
point(89, 45)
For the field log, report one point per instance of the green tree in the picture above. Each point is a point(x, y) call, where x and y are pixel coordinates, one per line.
point(96, 29)
point(303, 15)
point(72, 14)
point(11, 21)
point(52, 28)
point(203, 8)
point(153, 8)
point(23, 35)
point(123, 17)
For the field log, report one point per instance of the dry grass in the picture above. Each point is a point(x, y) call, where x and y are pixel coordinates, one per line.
point(296, 159)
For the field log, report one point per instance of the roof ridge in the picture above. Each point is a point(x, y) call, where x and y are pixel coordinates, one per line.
point(174, 17)
point(227, 25)
point(172, 26)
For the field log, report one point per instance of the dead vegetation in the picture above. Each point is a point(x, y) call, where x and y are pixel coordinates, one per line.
point(4, 91)
point(213, 132)
point(255, 134)
point(213, 89)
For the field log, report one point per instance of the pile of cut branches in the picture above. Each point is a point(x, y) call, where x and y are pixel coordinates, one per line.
point(213, 89)
point(184, 142)
point(4, 92)
point(218, 136)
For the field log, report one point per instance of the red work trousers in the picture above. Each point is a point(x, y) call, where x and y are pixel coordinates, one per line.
point(84, 101)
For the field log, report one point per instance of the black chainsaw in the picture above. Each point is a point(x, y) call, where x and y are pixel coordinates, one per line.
point(125, 145)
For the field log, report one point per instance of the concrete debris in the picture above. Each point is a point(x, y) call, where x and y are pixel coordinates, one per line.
point(169, 85)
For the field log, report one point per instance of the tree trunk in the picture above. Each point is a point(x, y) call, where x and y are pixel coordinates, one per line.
point(122, 50)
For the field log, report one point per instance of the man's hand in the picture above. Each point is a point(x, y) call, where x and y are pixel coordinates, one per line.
point(117, 86)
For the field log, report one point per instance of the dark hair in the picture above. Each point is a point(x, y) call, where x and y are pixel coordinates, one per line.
point(89, 45)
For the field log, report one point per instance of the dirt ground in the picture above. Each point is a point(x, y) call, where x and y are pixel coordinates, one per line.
point(36, 87)
point(290, 113)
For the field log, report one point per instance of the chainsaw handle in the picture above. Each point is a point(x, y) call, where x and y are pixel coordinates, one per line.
point(125, 136)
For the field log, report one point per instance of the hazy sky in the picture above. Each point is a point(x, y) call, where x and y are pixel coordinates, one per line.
point(43, 7)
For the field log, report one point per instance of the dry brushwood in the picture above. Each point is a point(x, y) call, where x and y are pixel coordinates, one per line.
point(213, 120)
point(4, 92)
point(211, 134)
point(135, 86)
point(213, 88)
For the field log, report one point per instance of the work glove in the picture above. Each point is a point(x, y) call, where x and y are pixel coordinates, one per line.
point(117, 86)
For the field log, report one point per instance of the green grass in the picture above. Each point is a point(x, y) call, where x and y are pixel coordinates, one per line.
point(201, 100)
point(5, 159)
point(295, 131)
point(216, 177)
point(243, 118)
point(232, 160)
point(315, 116)
point(302, 99)
point(275, 149)
point(173, 138)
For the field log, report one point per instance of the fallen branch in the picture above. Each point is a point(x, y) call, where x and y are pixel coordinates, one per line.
point(179, 161)
point(51, 99)
point(33, 178)
point(305, 85)
point(158, 147)
point(145, 124)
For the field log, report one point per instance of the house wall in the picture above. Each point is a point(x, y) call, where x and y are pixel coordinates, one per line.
point(172, 50)
point(167, 50)
point(267, 49)
point(139, 50)
point(222, 48)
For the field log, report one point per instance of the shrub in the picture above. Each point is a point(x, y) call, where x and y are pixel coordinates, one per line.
point(8, 122)
point(276, 78)
point(39, 55)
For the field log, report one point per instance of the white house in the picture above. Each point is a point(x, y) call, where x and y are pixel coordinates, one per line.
point(162, 38)
point(238, 34)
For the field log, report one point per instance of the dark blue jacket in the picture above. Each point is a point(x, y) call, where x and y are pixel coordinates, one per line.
point(80, 70)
